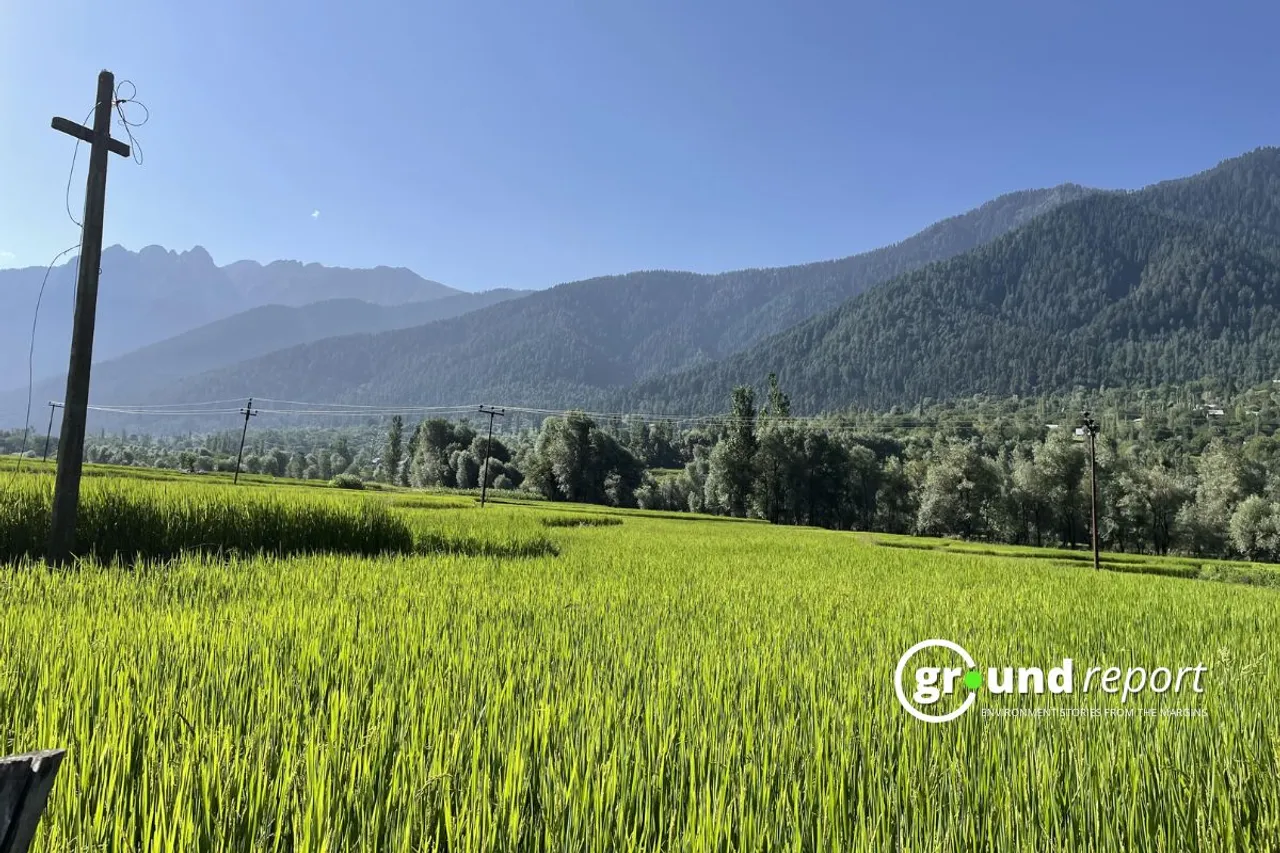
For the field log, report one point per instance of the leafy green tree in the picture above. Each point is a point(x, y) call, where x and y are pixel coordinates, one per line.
point(960, 494)
point(862, 479)
point(1219, 489)
point(574, 460)
point(393, 451)
point(1255, 529)
point(1031, 502)
point(895, 499)
point(779, 466)
point(498, 451)
point(731, 479)
point(779, 404)
point(1062, 465)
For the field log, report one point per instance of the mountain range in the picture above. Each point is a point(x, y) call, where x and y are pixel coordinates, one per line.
point(252, 333)
point(1034, 291)
point(154, 294)
point(579, 342)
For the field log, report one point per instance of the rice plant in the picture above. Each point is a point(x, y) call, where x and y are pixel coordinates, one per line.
point(128, 519)
point(580, 521)
point(660, 685)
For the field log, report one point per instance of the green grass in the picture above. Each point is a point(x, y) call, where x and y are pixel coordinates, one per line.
point(1191, 568)
point(490, 532)
point(580, 521)
point(661, 683)
point(138, 519)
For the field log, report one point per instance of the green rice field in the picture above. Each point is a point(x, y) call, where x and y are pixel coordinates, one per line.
point(548, 677)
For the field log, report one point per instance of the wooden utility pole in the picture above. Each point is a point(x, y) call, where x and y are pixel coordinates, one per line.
point(66, 492)
point(488, 449)
point(49, 432)
point(1091, 427)
point(248, 411)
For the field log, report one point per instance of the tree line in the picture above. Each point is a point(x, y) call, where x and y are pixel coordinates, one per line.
point(1190, 469)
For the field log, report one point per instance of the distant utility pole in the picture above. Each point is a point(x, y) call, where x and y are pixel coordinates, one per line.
point(1091, 427)
point(488, 449)
point(248, 411)
point(66, 491)
point(49, 432)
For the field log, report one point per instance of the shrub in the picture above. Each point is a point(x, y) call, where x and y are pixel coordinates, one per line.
point(347, 481)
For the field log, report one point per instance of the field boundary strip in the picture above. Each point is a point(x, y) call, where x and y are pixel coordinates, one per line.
point(1245, 574)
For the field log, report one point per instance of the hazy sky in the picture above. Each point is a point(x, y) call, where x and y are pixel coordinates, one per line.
point(523, 144)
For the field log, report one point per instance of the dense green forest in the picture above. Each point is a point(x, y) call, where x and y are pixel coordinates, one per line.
point(1191, 469)
point(1136, 289)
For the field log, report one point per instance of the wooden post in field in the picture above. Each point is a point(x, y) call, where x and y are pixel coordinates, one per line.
point(488, 449)
point(248, 411)
point(49, 432)
point(66, 490)
point(1091, 427)
point(25, 782)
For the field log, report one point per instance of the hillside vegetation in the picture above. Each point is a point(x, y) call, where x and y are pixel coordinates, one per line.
point(1102, 292)
point(576, 342)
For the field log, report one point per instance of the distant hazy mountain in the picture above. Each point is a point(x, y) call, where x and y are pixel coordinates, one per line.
point(294, 283)
point(153, 294)
point(246, 335)
point(578, 341)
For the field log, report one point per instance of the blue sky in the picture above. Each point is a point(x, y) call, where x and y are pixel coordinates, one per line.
point(520, 144)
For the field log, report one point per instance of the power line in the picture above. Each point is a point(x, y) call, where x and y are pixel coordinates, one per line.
point(72, 172)
point(829, 422)
point(172, 405)
point(358, 405)
point(832, 422)
point(119, 410)
point(31, 353)
point(134, 146)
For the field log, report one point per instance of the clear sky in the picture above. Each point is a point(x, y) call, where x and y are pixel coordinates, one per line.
point(523, 144)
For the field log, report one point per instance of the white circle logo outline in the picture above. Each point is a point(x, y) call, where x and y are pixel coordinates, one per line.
point(902, 665)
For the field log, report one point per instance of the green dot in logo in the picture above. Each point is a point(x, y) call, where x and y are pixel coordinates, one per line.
point(973, 679)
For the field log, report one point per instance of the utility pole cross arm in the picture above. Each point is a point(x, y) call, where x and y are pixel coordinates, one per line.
point(84, 134)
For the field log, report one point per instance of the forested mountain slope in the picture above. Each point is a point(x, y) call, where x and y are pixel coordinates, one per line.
point(1240, 196)
point(576, 342)
point(1105, 291)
